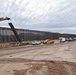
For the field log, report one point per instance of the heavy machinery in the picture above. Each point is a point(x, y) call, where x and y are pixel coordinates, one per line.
point(14, 31)
point(48, 41)
point(18, 40)
point(12, 27)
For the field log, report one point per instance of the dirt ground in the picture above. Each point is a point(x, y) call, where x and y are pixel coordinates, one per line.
point(53, 59)
point(49, 68)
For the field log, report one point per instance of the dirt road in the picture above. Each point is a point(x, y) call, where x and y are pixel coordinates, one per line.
point(53, 59)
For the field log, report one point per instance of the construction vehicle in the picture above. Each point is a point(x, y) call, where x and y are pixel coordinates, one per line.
point(14, 31)
point(12, 27)
point(48, 41)
point(18, 40)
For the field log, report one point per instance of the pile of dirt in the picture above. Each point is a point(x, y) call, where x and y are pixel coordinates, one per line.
point(49, 68)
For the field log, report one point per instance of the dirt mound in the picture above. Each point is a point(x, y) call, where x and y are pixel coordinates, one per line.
point(49, 68)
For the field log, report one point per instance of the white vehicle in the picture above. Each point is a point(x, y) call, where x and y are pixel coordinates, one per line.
point(62, 39)
point(70, 39)
point(35, 42)
point(74, 38)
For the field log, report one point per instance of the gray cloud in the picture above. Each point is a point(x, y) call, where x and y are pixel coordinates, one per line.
point(46, 15)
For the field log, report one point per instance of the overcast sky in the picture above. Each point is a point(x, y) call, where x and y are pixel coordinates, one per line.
point(44, 15)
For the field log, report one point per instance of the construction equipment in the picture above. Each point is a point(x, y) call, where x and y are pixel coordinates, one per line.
point(48, 41)
point(12, 27)
point(2, 19)
point(14, 31)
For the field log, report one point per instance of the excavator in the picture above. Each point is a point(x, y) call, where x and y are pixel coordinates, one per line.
point(12, 28)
